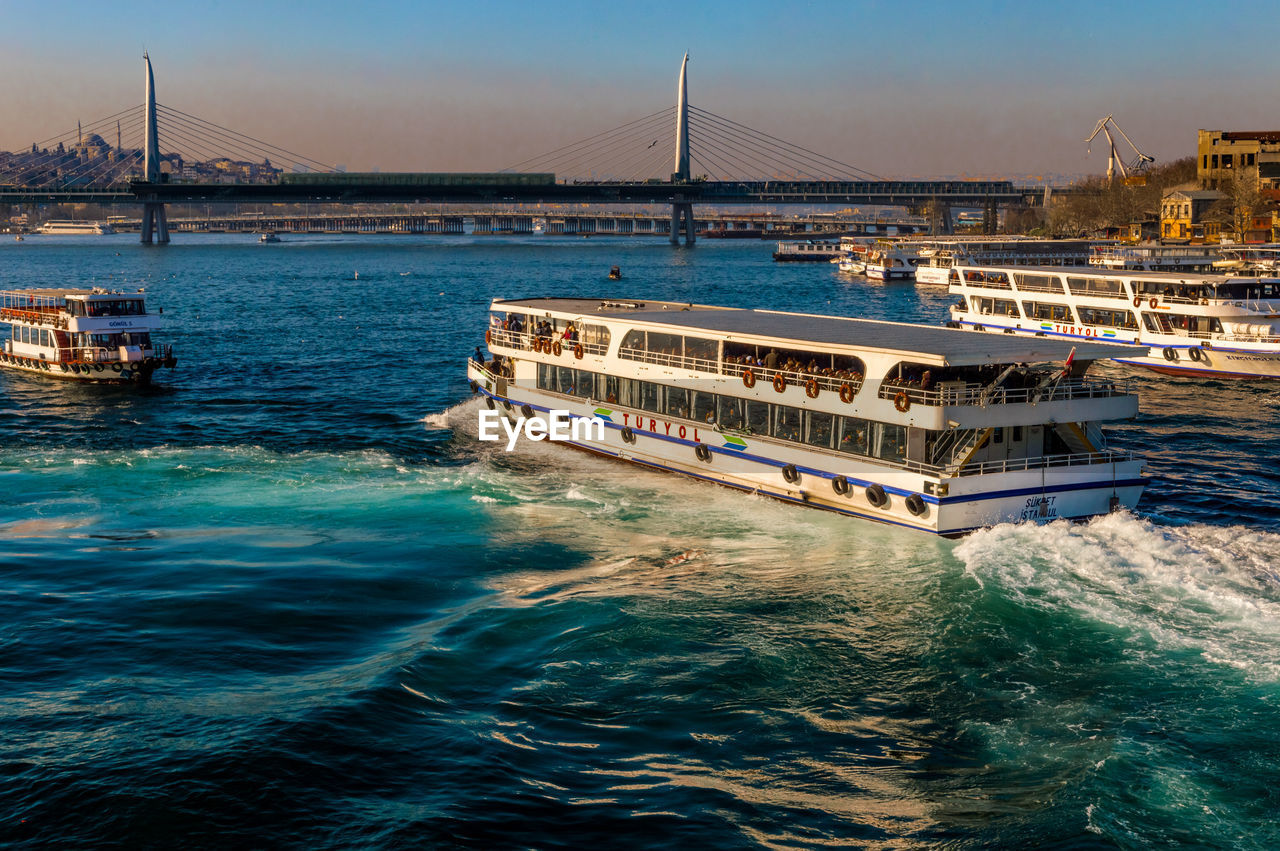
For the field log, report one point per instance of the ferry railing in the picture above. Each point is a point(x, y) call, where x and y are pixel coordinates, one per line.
point(1013, 465)
point(835, 382)
point(668, 359)
point(34, 317)
point(981, 395)
point(525, 340)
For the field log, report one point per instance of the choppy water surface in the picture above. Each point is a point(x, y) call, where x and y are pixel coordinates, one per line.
point(284, 599)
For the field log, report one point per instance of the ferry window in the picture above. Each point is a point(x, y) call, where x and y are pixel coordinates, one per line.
point(729, 412)
point(648, 398)
point(594, 335)
point(1016, 437)
point(13, 332)
point(997, 435)
point(757, 416)
point(611, 389)
point(26, 334)
point(990, 280)
point(786, 422)
point(984, 305)
point(700, 348)
point(665, 344)
point(1006, 308)
point(44, 337)
point(1107, 318)
point(820, 428)
point(586, 384)
point(677, 401)
point(565, 380)
point(704, 407)
point(1096, 286)
point(853, 435)
point(1038, 283)
point(633, 340)
point(1150, 322)
point(888, 441)
point(1044, 310)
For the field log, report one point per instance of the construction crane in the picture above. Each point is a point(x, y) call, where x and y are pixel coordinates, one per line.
point(1114, 162)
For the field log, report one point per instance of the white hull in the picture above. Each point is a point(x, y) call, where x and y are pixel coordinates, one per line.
point(756, 464)
point(86, 374)
point(933, 275)
point(880, 273)
point(1170, 355)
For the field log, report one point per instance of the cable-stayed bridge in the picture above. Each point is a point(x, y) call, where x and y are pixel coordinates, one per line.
point(164, 155)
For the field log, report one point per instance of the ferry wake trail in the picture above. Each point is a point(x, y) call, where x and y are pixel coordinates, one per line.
point(285, 597)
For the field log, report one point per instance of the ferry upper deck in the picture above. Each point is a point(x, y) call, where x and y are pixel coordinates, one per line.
point(922, 343)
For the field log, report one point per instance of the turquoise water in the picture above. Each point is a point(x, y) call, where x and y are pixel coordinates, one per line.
point(284, 599)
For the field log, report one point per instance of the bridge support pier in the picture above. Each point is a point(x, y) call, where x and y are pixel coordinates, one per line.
point(154, 220)
point(990, 218)
point(682, 210)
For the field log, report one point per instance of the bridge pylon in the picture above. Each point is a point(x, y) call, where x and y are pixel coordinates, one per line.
point(154, 222)
point(682, 210)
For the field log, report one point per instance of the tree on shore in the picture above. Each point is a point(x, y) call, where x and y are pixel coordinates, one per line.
point(1093, 204)
point(1243, 202)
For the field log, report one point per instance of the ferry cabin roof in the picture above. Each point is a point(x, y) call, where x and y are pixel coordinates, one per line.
point(923, 344)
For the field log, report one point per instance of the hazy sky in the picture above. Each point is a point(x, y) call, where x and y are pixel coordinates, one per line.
point(896, 88)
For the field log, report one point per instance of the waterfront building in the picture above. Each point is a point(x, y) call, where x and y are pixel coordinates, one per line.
point(1184, 215)
point(1220, 155)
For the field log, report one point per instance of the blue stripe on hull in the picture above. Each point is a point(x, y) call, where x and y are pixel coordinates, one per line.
point(929, 498)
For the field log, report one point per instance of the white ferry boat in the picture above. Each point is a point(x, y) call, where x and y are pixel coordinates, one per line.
point(939, 256)
point(1179, 323)
point(1155, 258)
point(922, 427)
point(893, 261)
point(812, 250)
point(90, 335)
point(65, 226)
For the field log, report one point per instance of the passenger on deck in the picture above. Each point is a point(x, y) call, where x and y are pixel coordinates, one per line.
point(479, 358)
point(771, 359)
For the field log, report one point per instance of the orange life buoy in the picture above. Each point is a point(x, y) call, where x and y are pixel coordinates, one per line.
point(902, 401)
point(811, 388)
point(577, 351)
point(1137, 301)
point(779, 383)
point(748, 379)
point(1154, 302)
point(556, 348)
point(488, 336)
point(846, 393)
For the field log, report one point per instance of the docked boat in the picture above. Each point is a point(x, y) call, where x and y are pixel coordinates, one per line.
point(812, 250)
point(93, 335)
point(1171, 322)
point(853, 255)
point(938, 257)
point(922, 427)
point(69, 226)
point(891, 260)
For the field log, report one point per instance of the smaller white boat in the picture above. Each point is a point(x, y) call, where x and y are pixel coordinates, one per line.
point(268, 237)
point(94, 336)
point(68, 226)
